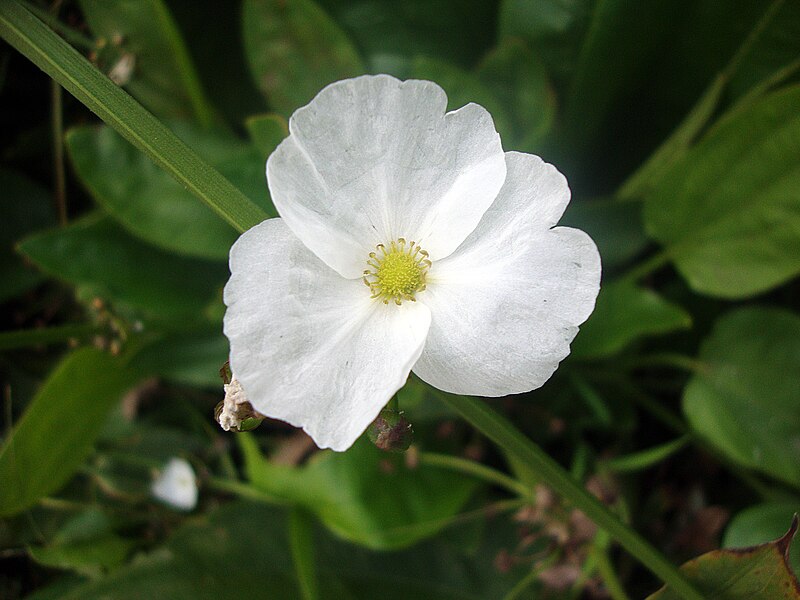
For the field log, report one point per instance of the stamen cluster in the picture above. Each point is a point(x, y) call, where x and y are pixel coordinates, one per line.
point(398, 272)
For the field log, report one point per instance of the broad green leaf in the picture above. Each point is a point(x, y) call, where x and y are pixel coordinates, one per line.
point(294, 50)
point(727, 213)
point(554, 29)
point(364, 495)
point(58, 589)
point(152, 205)
point(625, 313)
point(213, 558)
point(25, 207)
point(389, 32)
point(744, 400)
point(98, 257)
point(514, 73)
point(760, 524)
point(129, 453)
point(267, 131)
point(462, 88)
point(160, 73)
point(193, 358)
point(90, 557)
point(58, 59)
point(59, 427)
point(615, 227)
point(746, 574)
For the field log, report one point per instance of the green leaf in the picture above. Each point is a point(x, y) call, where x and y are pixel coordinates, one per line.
point(554, 29)
point(301, 541)
point(777, 46)
point(98, 257)
point(213, 557)
point(152, 205)
point(615, 227)
point(364, 495)
point(58, 59)
point(294, 50)
point(722, 81)
point(389, 32)
point(710, 34)
point(192, 358)
point(462, 88)
point(727, 213)
point(91, 558)
point(515, 74)
point(745, 399)
point(757, 572)
point(623, 314)
point(56, 432)
point(162, 76)
point(623, 39)
point(25, 207)
point(762, 523)
point(267, 131)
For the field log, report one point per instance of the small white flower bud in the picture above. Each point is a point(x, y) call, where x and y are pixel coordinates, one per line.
point(176, 485)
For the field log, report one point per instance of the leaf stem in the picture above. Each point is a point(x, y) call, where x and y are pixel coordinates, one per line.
point(498, 429)
point(647, 266)
point(678, 143)
point(68, 33)
point(524, 583)
point(301, 543)
point(243, 490)
point(475, 469)
point(666, 359)
point(10, 340)
point(644, 459)
point(606, 570)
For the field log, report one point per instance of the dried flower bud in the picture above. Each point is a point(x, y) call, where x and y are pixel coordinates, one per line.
point(391, 431)
point(235, 413)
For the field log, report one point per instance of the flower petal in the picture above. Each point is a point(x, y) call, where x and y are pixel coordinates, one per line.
point(310, 347)
point(506, 305)
point(373, 159)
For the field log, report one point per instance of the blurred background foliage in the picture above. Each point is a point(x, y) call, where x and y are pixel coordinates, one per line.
point(677, 124)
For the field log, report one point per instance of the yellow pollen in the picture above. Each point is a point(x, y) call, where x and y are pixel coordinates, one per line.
point(398, 272)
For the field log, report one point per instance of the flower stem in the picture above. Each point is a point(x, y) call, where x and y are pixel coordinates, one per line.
point(498, 429)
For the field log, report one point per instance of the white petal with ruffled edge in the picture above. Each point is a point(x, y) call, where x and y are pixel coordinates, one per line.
point(309, 346)
point(506, 305)
point(373, 159)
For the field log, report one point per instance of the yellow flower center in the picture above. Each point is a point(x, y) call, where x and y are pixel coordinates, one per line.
point(398, 272)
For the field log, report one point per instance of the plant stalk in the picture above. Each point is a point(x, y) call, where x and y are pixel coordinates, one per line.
point(498, 429)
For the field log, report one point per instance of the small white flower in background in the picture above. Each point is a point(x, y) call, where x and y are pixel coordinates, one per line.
point(176, 485)
point(408, 240)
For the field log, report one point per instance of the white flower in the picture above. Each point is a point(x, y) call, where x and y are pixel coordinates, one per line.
point(408, 241)
point(176, 485)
